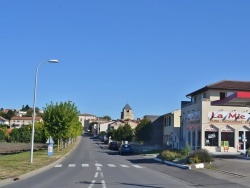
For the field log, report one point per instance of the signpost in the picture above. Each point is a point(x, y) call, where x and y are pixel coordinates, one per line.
point(50, 146)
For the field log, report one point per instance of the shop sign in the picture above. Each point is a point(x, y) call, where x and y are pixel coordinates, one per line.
point(211, 135)
point(228, 116)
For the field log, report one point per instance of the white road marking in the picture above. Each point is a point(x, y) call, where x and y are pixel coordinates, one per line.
point(125, 166)
point(102, 175)
point(103, 184)
point(96, 174)
point(98, 164)
point(72, 165)
point(111, 165)
point(92, 183)
point(98, 168)
point(136, 166)
point(58, 165)
point(85, 165)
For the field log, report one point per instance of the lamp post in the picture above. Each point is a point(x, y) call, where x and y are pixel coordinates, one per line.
point(34, 106)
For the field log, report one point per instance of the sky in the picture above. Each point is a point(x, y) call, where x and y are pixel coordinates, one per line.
point(147, 53)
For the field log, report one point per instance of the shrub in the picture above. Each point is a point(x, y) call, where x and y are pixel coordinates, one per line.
point(185, 151)
point(200, 156)
point(170, 155)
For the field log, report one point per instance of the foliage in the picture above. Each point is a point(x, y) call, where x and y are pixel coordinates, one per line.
point(111, 133)
point(185, 151)
point(200, 156)
point(2, 135)
point(123, 133)
point(25, 108)
point(61, 120)
point(144, 131)
point(9, 115)
point(106, 117)
point(170, 155)
point(14, 135)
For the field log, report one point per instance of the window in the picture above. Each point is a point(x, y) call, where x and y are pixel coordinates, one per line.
point(169, 121)
point(165, 122)
point(222, 95)
point(204, 96)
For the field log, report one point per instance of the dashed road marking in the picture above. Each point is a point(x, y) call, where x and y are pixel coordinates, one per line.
point(85, 165)
point(58, 165)
point(111, 165)
point(136, 166)
point(125, 166)
point(72, 165)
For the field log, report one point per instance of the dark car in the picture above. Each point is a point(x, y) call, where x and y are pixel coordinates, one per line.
point(126, 149)
point(113, 146)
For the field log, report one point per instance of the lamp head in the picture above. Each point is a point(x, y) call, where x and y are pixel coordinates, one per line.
point(53, 61)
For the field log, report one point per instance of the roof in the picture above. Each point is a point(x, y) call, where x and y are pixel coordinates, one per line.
point(3, 118)
point(224, 84)
point(240, 98)
point(85, 114)
point(127, 107)
point(37, 118)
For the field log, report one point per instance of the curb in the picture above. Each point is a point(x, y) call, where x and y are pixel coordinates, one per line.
point(37, 171)
point(173, 164)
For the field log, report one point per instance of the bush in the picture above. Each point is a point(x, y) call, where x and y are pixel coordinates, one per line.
point(170, 155)
point(200, 156)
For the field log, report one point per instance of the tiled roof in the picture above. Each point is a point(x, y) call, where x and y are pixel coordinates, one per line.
point(25, 118)
point(225, 84)
point(85, 114)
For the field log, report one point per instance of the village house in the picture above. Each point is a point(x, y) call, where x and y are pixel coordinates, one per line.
point(18, 122)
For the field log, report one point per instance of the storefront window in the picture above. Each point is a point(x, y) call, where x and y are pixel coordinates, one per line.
point(228, 136)
point(211, 138)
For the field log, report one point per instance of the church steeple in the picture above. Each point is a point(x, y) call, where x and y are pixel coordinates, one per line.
point(127, 113)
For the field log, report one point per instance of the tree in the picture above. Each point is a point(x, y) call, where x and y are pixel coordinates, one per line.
point(61, 120)
point(25, 108)
point(2, 135)
point(106, 117)
point(9, 115)
point(124, 133)
point(144, 131)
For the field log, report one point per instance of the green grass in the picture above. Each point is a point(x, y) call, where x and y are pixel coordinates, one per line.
point(14, 165)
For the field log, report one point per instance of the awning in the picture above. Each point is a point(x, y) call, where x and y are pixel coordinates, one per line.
point(240, 98)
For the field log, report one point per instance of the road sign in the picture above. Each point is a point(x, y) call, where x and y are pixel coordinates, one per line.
point(50, 141)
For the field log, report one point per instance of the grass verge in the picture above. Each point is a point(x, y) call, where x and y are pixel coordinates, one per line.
point(14, 165)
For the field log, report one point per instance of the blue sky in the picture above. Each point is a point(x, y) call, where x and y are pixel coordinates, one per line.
point(147, 53)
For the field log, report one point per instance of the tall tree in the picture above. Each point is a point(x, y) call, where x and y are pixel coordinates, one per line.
point(144, 131)
point(61, 120)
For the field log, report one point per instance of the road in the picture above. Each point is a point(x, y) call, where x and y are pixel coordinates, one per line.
point(92, 166)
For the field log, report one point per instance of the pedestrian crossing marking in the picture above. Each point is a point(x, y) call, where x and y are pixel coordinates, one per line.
point(72, 165)
point(98, 165)
point(125, 166)
point(111, 165)
point(136, 166)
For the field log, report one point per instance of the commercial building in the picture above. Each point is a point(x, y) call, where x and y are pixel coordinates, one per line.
point(217, 117)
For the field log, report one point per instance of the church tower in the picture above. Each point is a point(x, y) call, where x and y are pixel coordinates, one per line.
point(127, 113)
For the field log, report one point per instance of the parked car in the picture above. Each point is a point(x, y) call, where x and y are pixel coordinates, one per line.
point(125, 149)
point(113, 145)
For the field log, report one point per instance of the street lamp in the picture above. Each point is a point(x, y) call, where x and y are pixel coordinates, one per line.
point(34, 106)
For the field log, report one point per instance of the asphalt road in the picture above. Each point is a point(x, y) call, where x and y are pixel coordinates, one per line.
point(92, 165)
